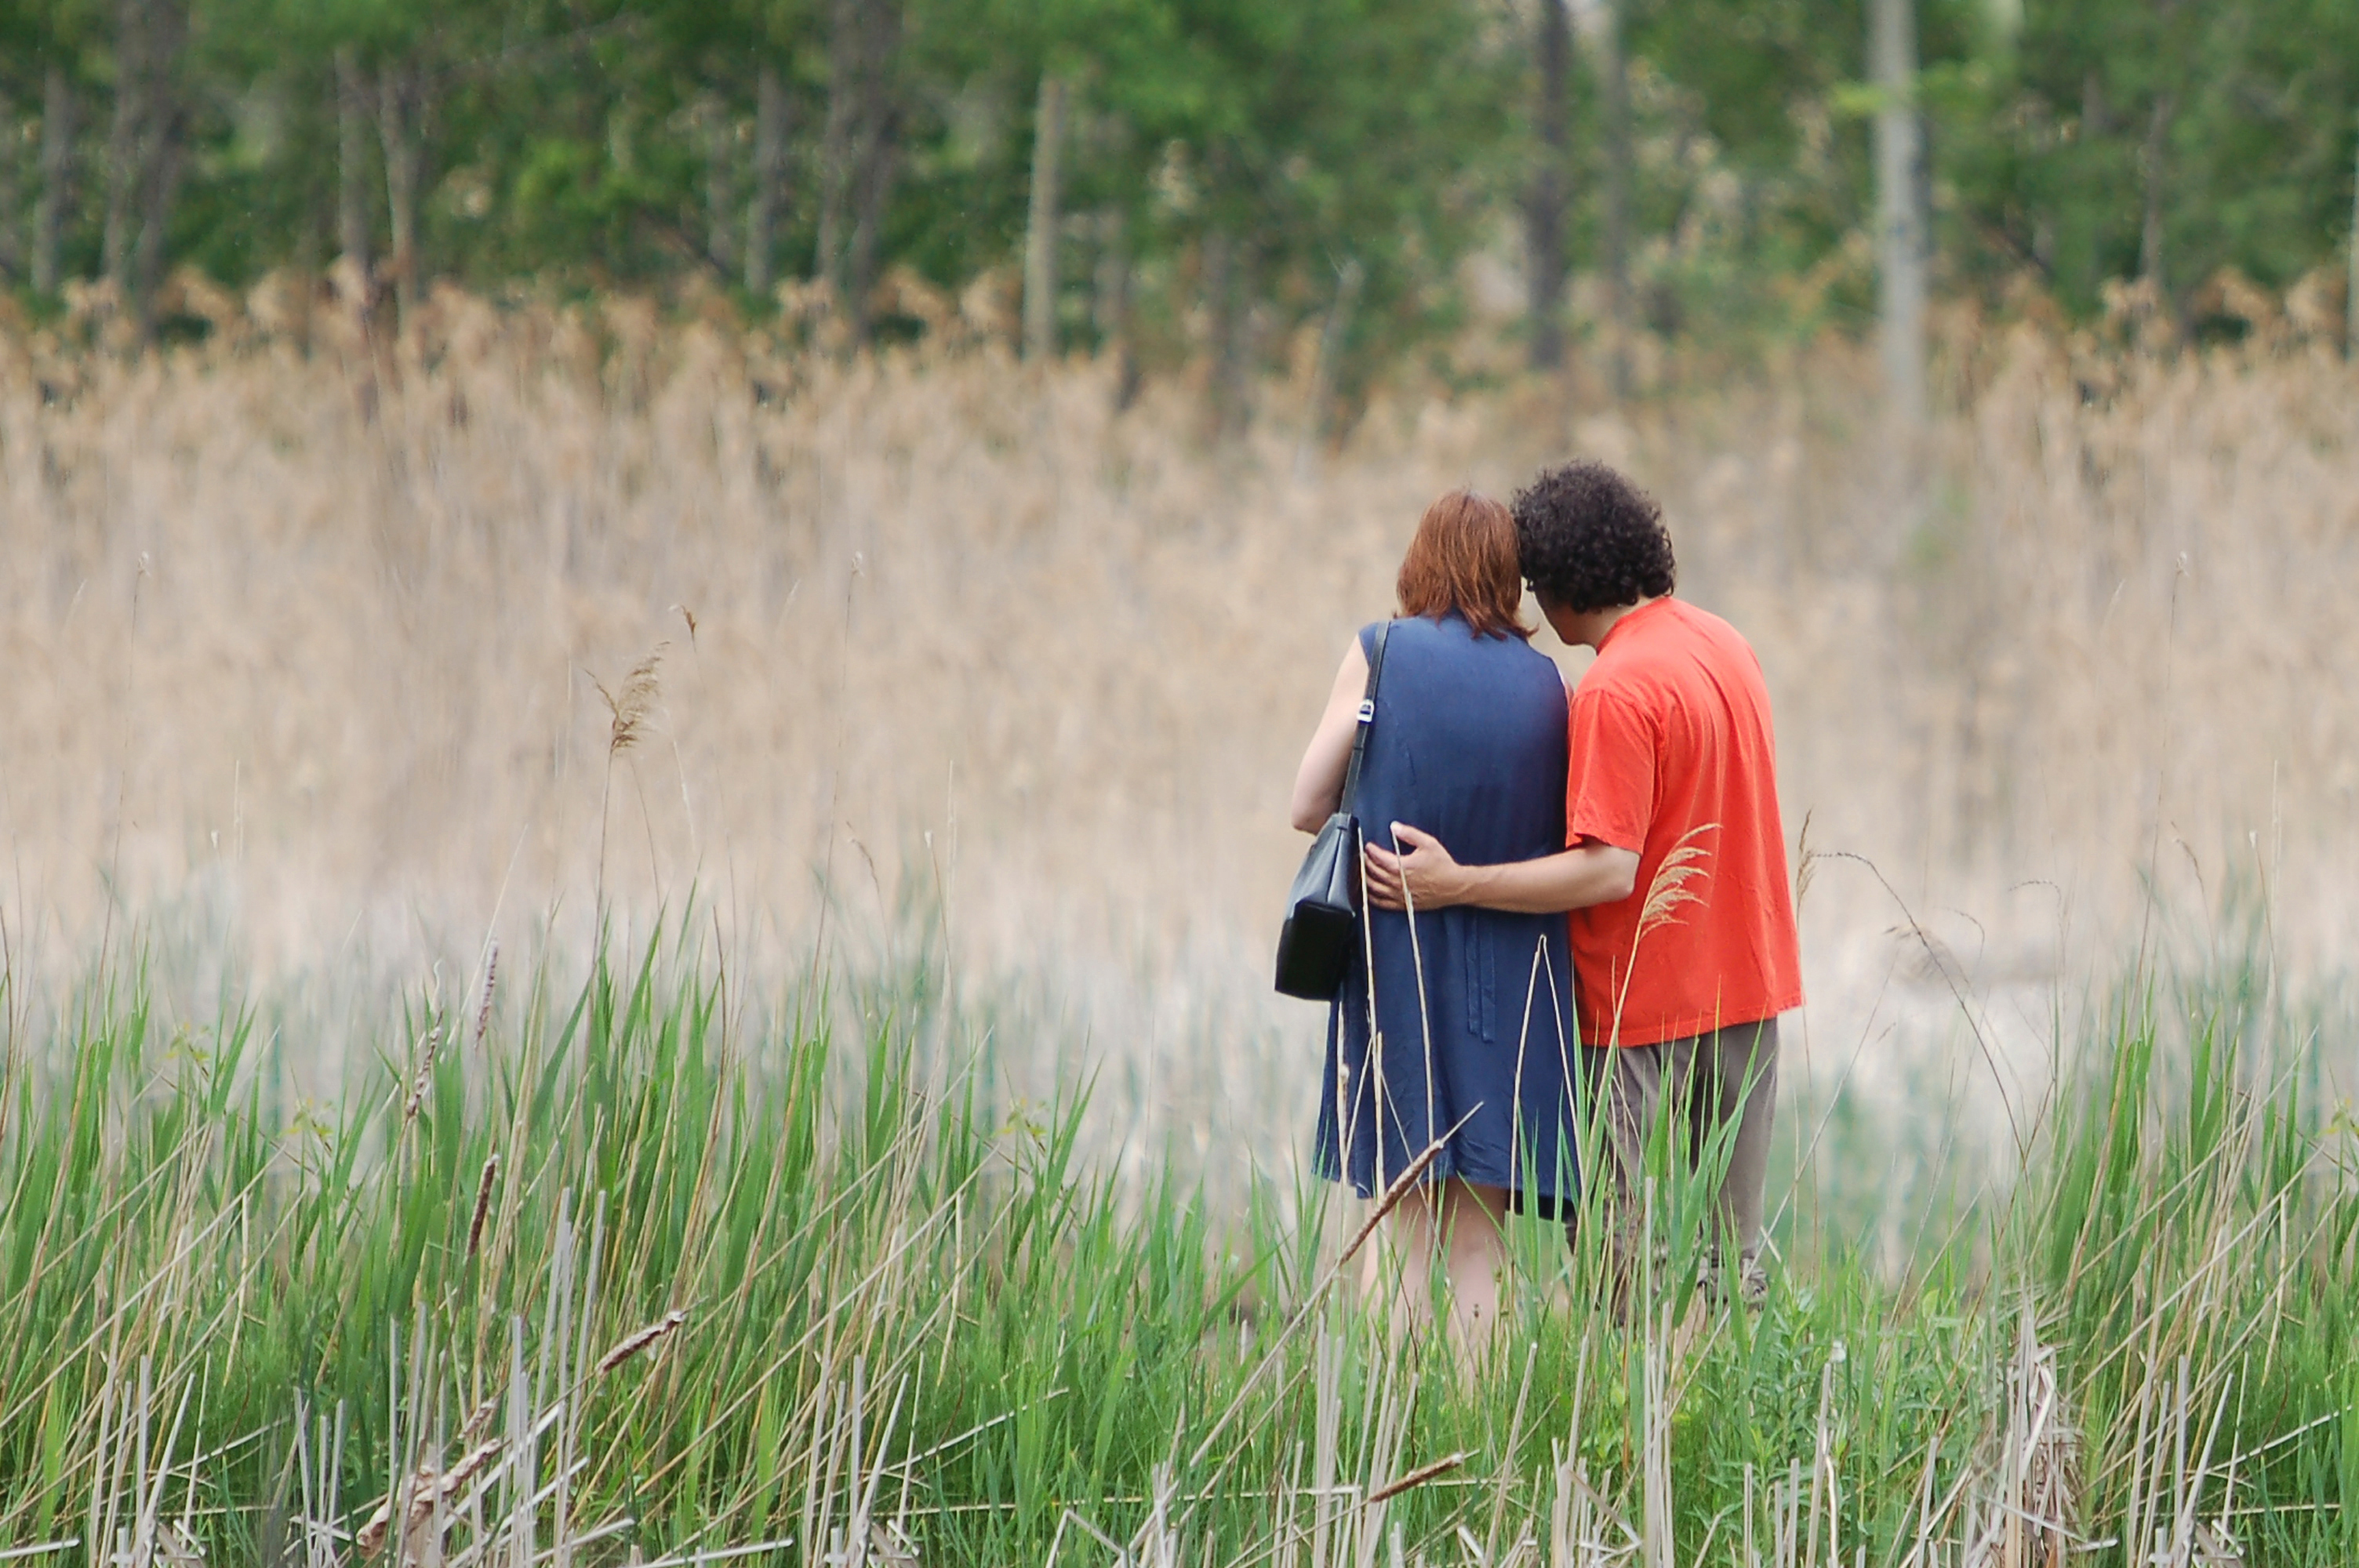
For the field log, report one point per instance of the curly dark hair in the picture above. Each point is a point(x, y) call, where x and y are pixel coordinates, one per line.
point(1590, 539)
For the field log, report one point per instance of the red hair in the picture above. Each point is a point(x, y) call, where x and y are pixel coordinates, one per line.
point(1464, 559)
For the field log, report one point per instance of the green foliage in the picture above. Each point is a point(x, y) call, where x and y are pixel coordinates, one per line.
point(867, 1224)
point(2237, 121)
point(611, 144)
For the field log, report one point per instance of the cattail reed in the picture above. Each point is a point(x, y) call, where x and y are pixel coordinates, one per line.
point(639, 1340)
point(427, 1489)
point(491, 983)
point(425, 1078)
point(1416, 1478)
point(482, 1205)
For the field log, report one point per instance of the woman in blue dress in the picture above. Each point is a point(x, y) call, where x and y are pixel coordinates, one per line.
point(1455, 1023)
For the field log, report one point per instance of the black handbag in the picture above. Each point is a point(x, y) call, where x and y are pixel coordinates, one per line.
point(1322, 909)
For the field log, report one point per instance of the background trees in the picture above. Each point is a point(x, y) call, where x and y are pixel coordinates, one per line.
point(1219, 174)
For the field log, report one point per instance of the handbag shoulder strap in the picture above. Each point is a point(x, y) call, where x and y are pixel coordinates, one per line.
point(1350, 798)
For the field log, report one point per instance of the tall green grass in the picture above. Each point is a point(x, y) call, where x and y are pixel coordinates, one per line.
point(815, 1286)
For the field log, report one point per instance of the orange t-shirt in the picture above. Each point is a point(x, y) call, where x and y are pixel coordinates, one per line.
point(1672, 756)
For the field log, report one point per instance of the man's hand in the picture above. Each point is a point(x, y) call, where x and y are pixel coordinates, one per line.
point(1589, 873)
point(1431, 877)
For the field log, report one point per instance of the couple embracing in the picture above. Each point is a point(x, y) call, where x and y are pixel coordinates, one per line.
point(1578, 910)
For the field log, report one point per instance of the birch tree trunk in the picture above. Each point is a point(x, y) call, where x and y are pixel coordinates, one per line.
point(351, 172)
point(1900, 215)
point(769, 177)
point(1619, 314)
point(1041, 222)
point(57, 177)
point(1544, 203)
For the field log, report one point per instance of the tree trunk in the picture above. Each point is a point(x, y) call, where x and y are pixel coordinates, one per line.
point(351, 171)
point(1042, 222)
point(309, 244)
point(1331, 331)
point(1228, 265)
point(162, 154)
point(2153, 157)
point(769, 177)
point(1900, 216)
point(144, 146)
point(1110, 306)
point(123, 143)
point(1619, 314)
point(836, 139)
point(877, 172)
point(12, 192)
point(876, 154)
point(57, 177)
point(1544, 203)
point(161, 194)
point(2351, 278)
point(2150, 162)
point(398, 105)
point(1214, 281)
point(720, 192)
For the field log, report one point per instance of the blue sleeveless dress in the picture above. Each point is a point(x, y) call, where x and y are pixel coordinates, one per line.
point(1473, 1013)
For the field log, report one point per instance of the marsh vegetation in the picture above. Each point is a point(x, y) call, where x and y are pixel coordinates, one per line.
point(872, 1135)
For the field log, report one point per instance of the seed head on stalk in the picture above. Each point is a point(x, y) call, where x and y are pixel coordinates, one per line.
point(483, 1205)
point(427, 1489)
point(638, 1340)
point(627, 707)
point(425, 1078)
point(629, 704)
point(490, 981)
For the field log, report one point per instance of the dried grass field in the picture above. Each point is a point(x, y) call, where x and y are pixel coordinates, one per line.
point(850, 761)
point(311, 651)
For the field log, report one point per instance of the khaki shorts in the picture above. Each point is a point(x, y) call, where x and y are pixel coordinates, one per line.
point(1723, 1085)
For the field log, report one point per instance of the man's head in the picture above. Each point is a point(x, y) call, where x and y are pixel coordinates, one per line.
point(1590, 541)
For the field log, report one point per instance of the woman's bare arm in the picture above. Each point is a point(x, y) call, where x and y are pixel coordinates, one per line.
point(1319, 783)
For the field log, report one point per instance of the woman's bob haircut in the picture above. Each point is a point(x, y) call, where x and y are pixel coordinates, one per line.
point(1464, 559)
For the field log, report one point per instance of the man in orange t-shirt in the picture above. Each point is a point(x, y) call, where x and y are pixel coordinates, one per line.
point(1682, 930)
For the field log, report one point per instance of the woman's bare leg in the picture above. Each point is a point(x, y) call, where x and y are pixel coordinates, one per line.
point(1399, 1264)
point(1463, 1227)
point(1474, 1234)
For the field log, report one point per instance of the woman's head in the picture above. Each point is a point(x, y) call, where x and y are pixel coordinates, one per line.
point(1464, 559)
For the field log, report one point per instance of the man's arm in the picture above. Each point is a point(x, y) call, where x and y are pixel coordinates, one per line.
point(1589, 873)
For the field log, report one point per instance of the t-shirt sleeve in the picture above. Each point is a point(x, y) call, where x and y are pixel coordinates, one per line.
point(1609, 785)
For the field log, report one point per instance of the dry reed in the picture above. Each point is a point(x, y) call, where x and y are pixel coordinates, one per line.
point(996, 638)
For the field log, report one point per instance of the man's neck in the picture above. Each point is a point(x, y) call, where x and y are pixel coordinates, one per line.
point(1587, 629)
